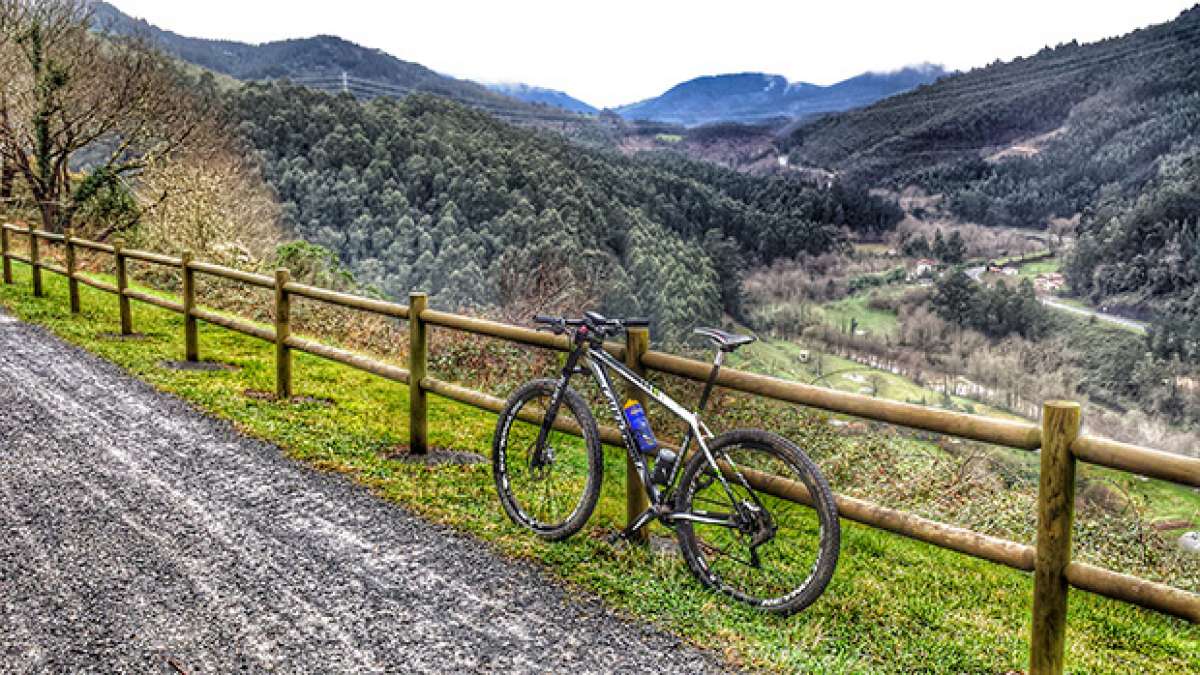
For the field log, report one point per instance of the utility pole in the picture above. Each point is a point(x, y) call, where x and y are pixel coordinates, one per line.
point(345, 83)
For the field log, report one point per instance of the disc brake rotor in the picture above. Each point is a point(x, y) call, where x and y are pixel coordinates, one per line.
point(540, 463)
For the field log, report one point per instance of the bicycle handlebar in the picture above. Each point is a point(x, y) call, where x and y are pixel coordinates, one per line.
point(592, 320)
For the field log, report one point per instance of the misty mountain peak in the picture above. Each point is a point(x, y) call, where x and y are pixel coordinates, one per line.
point(754, 97)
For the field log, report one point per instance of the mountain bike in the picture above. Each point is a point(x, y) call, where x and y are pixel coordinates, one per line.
point(722, 499)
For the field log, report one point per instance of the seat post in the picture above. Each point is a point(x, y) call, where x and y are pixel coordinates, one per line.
point(711, 383)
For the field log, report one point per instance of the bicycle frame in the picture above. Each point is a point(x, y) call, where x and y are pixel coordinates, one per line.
point(600, 362)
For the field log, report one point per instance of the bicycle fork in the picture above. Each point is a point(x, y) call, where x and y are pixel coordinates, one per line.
point(542, 454)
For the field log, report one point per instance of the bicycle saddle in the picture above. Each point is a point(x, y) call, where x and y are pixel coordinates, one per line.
point(726, 342)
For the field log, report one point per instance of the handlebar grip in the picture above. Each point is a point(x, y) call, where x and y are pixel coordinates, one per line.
point(542, 318)
point(637, 322)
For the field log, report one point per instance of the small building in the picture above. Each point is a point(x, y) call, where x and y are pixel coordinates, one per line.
point(1049, 282)
point(922, 268)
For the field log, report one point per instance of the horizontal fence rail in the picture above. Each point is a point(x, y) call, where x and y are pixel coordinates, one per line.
point(234, 324)
point(1136, 459)
point(250, 278)
point(347, 300)
point(348, 358)
point(1020, 435)
point(1060, 446)
point(151, 299)
point(150, 257)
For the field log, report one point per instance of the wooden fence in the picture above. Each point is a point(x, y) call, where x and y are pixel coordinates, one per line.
point(1058, 437)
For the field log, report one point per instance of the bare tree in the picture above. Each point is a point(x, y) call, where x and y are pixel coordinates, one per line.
point(546, 288)
point(219, 207)
point(875, 381)
point(70, 92)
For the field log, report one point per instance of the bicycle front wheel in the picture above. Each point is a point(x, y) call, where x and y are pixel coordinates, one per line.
point(551, 490)
point(780, 555)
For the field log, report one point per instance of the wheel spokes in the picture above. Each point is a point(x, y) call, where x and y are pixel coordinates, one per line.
point(787, 536)
point(553, 479)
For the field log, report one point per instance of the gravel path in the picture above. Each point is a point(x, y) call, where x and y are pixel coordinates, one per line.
point(139, 536)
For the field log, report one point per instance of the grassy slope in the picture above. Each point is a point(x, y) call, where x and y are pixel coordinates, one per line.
point(873, 321)
point(1044, 266)
point(780, 358)
point(895, 605)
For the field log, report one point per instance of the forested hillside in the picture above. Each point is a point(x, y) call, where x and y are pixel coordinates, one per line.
point(1020, 142)
point(427, 194)
point(1145, 254)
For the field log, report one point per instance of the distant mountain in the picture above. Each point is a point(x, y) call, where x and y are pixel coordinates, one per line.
point(550, 97)
point(757, 97)
point(1020, 142)
point(323, 62)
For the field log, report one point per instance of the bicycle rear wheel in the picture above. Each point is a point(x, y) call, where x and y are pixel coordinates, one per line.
point(782, 555)
point(552, 490)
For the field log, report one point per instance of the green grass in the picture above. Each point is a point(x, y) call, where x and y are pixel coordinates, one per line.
point(872, 248)
point(781, 358)
point(894, 605)
point(1043, 266)
point(1034, 257)
point(875, 322)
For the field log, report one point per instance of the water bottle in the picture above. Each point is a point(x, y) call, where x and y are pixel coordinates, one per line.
point(640, 426)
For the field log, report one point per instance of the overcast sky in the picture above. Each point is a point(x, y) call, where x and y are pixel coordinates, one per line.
point(609, 52)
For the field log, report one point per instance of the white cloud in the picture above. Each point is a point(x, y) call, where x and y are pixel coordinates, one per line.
point(619, 51)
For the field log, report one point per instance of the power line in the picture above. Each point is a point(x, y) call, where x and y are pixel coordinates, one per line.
point(367, 88)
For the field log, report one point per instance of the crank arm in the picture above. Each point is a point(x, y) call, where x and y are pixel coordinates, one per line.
point(723, 519)
point(645, 518)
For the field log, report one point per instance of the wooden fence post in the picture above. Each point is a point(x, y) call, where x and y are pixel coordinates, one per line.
point(4, 252)
point(72, 282)
point(637, 341)
point(122, 284)
point(35, 266)
point(1056, 508)
point(418, 354)
point(191, 338)
point(283, 322)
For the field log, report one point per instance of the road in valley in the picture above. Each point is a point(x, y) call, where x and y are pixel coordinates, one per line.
point(976, 275)
point(1132, 324)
